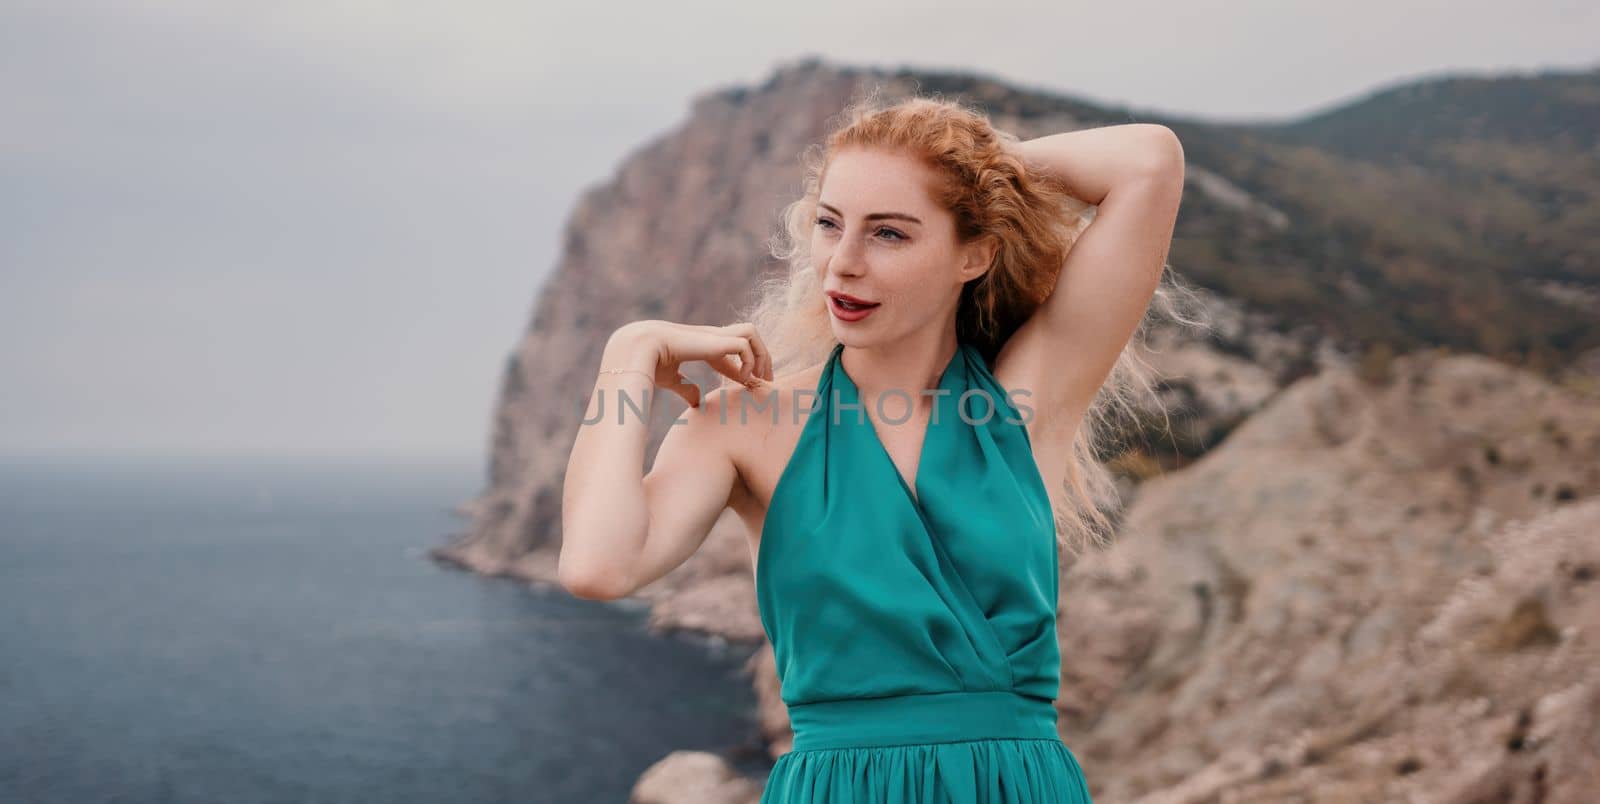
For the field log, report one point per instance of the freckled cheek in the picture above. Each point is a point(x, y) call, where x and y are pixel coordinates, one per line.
point(909, 285)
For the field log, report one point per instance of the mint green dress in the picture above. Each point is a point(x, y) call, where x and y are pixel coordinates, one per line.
point(915, 636)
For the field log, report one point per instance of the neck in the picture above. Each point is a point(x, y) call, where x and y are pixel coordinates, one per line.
point(905, 368)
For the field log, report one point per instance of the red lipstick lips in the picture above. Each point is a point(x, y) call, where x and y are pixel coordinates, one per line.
point(849, 308)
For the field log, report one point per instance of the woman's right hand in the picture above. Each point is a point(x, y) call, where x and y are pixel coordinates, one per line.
point(660, 348)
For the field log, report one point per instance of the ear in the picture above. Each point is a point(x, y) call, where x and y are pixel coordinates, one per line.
point(980, 256)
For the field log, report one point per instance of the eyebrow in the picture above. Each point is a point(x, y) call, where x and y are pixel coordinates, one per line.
point(876, 216)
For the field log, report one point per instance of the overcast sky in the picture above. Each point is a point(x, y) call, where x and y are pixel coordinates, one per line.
point(318, 227)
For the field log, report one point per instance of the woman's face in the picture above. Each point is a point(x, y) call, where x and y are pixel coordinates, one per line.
point(878, 236)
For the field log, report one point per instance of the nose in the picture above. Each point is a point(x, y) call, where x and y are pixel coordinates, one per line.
point(846, 258)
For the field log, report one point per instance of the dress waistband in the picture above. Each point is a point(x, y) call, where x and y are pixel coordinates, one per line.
point(935, 717)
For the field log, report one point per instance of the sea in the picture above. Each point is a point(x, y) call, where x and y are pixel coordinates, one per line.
point(267, 629)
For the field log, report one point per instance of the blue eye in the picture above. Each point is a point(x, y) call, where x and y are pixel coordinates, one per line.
point(897, 236)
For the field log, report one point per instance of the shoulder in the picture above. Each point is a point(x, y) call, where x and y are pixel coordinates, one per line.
point(748, 421)
point(741, 412)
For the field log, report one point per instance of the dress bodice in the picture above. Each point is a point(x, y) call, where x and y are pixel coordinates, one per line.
point(865, 590)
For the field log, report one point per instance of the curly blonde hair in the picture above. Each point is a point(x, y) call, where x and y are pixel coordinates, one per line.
point(989, 190)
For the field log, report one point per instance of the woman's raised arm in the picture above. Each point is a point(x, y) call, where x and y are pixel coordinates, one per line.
point(622, 529)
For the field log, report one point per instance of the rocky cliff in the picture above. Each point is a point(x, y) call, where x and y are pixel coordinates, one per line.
point(1370, 577)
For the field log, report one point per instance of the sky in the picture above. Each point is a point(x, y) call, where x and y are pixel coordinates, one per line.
point(318, 229)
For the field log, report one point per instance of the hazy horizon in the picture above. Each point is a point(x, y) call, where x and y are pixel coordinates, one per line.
point(318, 231)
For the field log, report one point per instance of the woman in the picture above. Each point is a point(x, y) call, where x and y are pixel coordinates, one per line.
point(901, 486)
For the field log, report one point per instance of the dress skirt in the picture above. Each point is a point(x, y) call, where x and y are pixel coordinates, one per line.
point(988, 747)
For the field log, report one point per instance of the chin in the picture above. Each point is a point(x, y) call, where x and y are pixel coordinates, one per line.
point(856, 339)
point(851, 337)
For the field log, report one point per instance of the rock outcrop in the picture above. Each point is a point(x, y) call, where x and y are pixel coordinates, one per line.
point(1367, 593)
